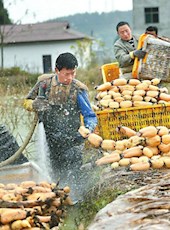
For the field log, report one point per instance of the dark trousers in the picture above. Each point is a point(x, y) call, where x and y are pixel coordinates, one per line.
point(65, 168)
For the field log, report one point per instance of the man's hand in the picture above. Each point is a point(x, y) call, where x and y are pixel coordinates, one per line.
point(28, 104)
point(139, 53)
point(96, 130)
point(40, 104)
point(84, 131)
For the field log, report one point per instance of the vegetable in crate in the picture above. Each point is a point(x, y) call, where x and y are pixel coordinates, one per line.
point(104, 86)
point(142, 103)
point(162, 130)
point(125, 131)
point(148, 131)
point(153, 141)
point(147, 152)
point(119, 82)
point(126, 104)
point(166, 139)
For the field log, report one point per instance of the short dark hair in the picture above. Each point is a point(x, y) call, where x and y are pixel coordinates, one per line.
point(152, 29)
point(121, 24)
point(66, 60)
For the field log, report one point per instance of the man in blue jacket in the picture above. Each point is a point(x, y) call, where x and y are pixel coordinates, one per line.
point(60, 100)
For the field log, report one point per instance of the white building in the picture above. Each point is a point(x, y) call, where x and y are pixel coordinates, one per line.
point(35, 47)
point(151, 12)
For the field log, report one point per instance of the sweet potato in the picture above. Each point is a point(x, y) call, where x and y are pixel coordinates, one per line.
point(2, 210)
point(27, 184)
point(67, 201)
point(12, 214)
point(2, 185)
point(45, 184)
point(108, 159)
point(33, 228)
point(5, 227)
point(133, 152)
point(39, 189)
point(56, 202)
point(41, 196)
point(20, 224)
point(12, 197)
point(44, 219)
point(33, 210)
point(84, 131)
point(141, 166)
point(2, 193)
point(66, 189)
point(20, 190)
point(10, 186)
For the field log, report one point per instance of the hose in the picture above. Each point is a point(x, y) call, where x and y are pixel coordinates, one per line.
point(23, 146)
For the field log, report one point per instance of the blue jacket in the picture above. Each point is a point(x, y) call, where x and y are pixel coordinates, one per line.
point(90, 119)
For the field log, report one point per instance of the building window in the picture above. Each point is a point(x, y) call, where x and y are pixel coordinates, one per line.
point(47, 67)
point(151, 15)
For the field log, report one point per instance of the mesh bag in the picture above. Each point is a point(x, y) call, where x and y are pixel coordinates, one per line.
point(157, 62)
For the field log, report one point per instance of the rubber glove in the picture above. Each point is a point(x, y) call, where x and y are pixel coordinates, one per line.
point(139, 53)
point(40, 104)
point(28, 104)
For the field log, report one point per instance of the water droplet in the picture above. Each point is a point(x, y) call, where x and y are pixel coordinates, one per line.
point(66, 112)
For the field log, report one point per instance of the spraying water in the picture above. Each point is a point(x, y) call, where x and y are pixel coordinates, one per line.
point(42, 159)
point(69, 173)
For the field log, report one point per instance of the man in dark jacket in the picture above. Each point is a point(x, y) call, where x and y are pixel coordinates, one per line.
point(60, 101)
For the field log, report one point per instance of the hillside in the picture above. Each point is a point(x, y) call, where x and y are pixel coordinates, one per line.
point(100, 26)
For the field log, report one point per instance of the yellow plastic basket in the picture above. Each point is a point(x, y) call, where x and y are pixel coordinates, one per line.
point(135, 118)
point(110, 71)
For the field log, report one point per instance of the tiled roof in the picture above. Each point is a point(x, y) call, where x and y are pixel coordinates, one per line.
point(39, 32)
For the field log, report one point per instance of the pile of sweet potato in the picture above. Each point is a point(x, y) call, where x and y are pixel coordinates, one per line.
point(29, 205)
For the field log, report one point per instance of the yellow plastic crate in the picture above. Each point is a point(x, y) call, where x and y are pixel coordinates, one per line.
point(135, 118)
point(110, 71)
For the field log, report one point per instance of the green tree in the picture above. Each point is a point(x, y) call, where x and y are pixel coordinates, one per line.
point(4, 18)
point(82, 50)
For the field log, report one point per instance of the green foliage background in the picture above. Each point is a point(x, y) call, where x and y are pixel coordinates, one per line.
point(4, 17)
point(100, 26)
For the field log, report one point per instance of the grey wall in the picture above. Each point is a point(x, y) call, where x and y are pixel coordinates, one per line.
point(139, 24)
